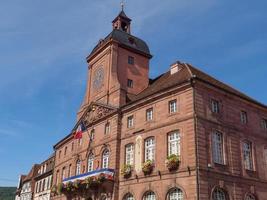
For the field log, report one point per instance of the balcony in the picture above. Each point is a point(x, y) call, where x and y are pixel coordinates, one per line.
point(87, 184)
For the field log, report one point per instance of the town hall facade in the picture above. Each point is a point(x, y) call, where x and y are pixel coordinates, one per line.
point(181, 136)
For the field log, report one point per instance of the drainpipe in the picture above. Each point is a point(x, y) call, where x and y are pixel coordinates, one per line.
point(196, 137)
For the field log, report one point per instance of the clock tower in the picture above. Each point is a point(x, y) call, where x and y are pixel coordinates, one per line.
point(118, 66)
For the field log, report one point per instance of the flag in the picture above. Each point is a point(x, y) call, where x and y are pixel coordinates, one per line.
point(79, 131)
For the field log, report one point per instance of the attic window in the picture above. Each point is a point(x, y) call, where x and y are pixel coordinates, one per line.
point(174, 68)
point(131, 40)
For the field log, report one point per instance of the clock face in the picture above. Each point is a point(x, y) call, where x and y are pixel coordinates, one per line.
point(98, 78)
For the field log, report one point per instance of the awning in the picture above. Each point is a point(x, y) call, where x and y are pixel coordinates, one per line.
point(109, 174)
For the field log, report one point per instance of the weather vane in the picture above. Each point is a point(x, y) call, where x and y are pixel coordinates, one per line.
point(122, 5)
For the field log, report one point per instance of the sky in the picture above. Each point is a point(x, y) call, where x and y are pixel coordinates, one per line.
point(43, 46)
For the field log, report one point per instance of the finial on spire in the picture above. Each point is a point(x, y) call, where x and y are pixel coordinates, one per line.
point(122, 5)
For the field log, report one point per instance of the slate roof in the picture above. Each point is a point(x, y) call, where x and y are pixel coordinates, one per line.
point(187, 72)
point(122, 15)
point(126, 39)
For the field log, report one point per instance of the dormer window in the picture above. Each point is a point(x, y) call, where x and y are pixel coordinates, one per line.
point(130, 83)
point(130, 60)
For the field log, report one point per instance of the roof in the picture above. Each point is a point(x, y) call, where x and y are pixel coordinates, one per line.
point(186, 73)
point(32, 173)
point(126, 39)
point(122, 15)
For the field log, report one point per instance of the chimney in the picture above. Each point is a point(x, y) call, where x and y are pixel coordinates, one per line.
point(175, 67)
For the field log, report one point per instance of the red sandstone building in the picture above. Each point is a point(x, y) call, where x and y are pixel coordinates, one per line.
point(182, 135)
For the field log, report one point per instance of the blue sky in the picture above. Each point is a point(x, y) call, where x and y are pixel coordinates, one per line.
point(43, 45)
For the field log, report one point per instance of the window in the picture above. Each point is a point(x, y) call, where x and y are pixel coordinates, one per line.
point(63, 173)
point(265, 156)
point(129, 154)
point(57, 177)
point(264, 124)
point(250, 197)
point(215, 108)
point(217, 147)
point(65, 151)
point(105, 159)
point(107, 128)
point(130, 121)
point(218, 194)
point(175, 194)
point(150, 149)
point(92, 135)
point(150, 196)
point(172, 106)
point(90, 162)
point(59, 155)
point(130, 60)
point(129, 83)
point(128, 197)
point(247, 153)
point(69, 173)
point(72, 146)
point(243, 117)
point(78, 167)
point(80, 141)
point(149, 114)
point(43, 188)
point(174, 143)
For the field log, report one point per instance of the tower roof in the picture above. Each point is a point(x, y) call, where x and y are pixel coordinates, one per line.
point(125, 39)
point(122, 15)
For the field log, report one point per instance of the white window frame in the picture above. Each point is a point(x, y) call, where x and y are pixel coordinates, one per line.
point(149, 114)
point(264, 123)
point(129, 154)
point(130, 121)
point(174, 143)
point(250, 197)
point(63, 173)
point(243, 117)
point(105, 158)
point(176, 194)
point(150, 149)
point(218, 194)
point(90, 166)
point(107, 128)
point(173, 106)
point(215, 106)
point(128, 196)
point(150, 196)
point(218, 147)
point(78, 167)
point(247, 155)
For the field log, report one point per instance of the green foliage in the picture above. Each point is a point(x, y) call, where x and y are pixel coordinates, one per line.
point(7, 193)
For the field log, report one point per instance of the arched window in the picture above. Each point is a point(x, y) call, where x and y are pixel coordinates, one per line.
point(250, 197)
point(150, 149)
point(90, 162)
point(218, 194)
point(175, 194)
point(174, 143)
point(105, 158)
point(78, 167)
point(149, 196)
point(128, 196)
point(63, 175)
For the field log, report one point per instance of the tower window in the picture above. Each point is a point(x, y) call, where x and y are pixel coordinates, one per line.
point(215, 108)
point(244, 117)
point(130, 60)
point(264, 124)
point(130, 83)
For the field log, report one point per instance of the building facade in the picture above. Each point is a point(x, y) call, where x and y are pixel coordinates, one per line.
point(28, 184)
point(182, 135)
point(43, 180)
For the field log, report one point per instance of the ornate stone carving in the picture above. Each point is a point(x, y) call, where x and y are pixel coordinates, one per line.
point(95, 113)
